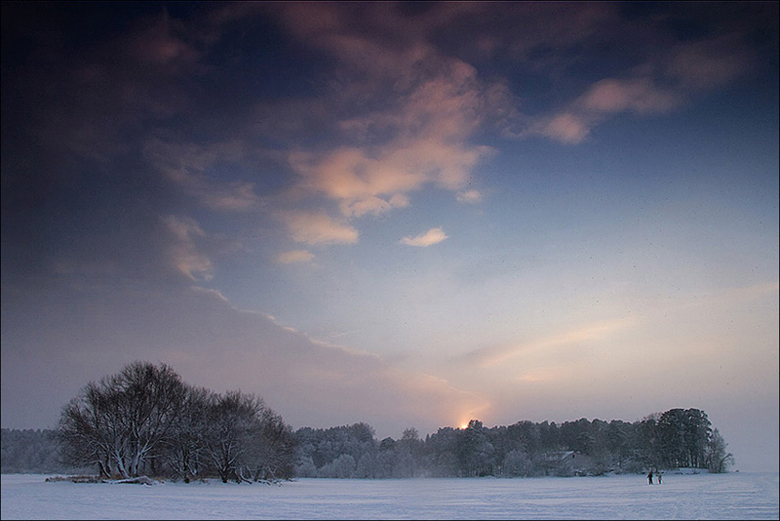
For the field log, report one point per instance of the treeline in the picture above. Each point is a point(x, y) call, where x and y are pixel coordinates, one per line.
point(676, 438)
point(31, 451)
point(146, 421)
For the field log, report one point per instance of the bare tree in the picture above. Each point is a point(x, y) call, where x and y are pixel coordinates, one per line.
point(233, 422)
point(92, 430)
point(185, 448)
point(120, 422)
point(145, 419)
point(275, 448)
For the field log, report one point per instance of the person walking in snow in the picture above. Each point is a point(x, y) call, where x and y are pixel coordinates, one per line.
point(658, 475)
point(650, 478)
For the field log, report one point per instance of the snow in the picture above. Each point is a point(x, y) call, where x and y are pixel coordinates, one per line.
point(704, 496)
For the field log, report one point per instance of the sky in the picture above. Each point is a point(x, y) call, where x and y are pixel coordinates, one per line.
point(404, 214)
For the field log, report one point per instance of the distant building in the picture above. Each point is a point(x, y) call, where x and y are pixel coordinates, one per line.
point(578, 462)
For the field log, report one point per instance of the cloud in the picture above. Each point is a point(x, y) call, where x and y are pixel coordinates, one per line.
point(186, 165)
point(637, 95)
point(318, 228)
point(374, 205)
point(156, 44)
point(429, 238)
point(469, 196)
point(425, 143)
point(493, 356)
point(404, 113)
point(675, 72)
point(566, 127)
point(374, 182)
point(111, 86)
point(702, 65)
point(211, 344)
point(183, 253)
point(295, 256)
point(602, 100)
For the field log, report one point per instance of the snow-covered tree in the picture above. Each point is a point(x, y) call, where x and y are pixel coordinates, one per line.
point(185, 450)
point(475, 453)
point(121, 421)
point(518, 463)
point(145, 419)
point(233, 422)
point(343, 467)
point(272, 449)
point(718, 460)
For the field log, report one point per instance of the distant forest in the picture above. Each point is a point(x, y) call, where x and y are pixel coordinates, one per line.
point(146, 421)
point(676, 438)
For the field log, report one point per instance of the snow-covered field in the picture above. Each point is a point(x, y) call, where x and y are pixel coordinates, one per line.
point(702, 496)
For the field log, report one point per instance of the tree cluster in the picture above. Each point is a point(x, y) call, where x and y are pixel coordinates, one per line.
point(685, 438)
point(676, 438)
point(145, 420)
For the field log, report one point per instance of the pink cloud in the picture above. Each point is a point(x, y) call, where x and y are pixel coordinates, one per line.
point(419, 137)
point(429, 238)
point(295, 256)
point(318, 228)
point(633, 95)
point(675, 74)
point(429, 128)
point(567, 128)
point(602, 100)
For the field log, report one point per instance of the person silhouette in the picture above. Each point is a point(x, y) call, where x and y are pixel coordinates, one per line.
point(658, 475)
point(650, 478)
